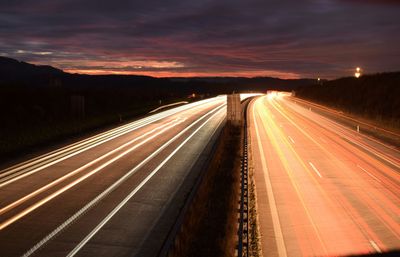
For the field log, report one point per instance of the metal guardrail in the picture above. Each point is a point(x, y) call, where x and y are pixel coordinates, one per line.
point(243, 233)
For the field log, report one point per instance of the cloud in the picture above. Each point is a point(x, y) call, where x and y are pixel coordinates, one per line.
point(304, 38)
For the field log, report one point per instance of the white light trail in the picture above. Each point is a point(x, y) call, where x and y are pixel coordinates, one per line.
point(112, 187)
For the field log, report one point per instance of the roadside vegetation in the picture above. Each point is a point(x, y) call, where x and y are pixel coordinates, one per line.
point(373, 97)
point(36, 117)
point(254, 236)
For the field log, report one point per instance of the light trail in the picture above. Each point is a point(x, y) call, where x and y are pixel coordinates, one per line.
point(372, 176)
point(385, 219)
point(333, 134)
point(357, 208)
point(271, 198)
point(80, 169)
point(17, 172)
point(115, 185)
point(393, 176)
point(339, 113)
point(77, 181)
point(270, 126)
point(344, 133)
point(127, 198)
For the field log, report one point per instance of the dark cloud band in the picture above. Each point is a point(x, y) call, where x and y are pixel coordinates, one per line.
point(303, 38)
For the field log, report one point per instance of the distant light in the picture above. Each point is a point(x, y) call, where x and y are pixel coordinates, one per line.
point(319, 79)
point(358, 72)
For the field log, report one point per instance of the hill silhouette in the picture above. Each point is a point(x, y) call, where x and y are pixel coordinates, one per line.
point(11, 69)
point(36, 102)
point(13, 72)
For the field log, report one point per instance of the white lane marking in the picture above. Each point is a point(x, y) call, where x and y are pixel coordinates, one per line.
point(315, 169)
point(291, 139)
point(280, 243)
point(61, 157)
point(55, 155)
point(77, 181)
point(76, 171)
point(125, 129)
point(81, 143)
point(337, 131)
point(341, 130)
point(375, 246)
point(121, 204)
point(109, 190)
point(372, 176)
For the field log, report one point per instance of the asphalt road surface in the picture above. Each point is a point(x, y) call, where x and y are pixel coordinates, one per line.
point(114, 194)
point(322, 189)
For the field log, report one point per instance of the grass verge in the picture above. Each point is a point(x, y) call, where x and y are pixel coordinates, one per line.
point(254, 235)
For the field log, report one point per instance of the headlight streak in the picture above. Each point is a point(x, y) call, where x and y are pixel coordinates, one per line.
point(271, 198)
point(270, 126)
point(346, 201)
point(388, 221)
point(76, 171)
point(115, 210)
point(77, 181)
point(116, 184)
point(30, 167)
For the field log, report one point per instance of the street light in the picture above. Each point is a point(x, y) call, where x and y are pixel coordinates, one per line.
point(358, 72)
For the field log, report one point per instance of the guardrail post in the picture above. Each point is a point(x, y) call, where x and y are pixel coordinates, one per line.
point(243, 244)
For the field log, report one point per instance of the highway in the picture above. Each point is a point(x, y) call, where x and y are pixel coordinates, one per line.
point(322, 189)
point(117, 193)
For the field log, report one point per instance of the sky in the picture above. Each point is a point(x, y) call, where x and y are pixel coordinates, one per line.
point(164, 38)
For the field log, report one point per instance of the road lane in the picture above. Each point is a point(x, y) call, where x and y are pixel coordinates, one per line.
point(86, 159)
point(142, 184)
point(29, 167)
point(80, 179)
point(61, 203)
point(328, 190)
